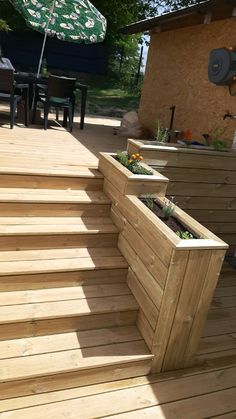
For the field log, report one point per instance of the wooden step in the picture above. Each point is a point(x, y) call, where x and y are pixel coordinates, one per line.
point(51, 196)
point(85, 179)
point(62, 294)
point(65, 360)
point(34, 233)
point(60, 172)
point(15, 202)
point(51, 310)
point(59, 260)
point(62, 279)
point(19, 313)
point(70, 221)
point(80, 209)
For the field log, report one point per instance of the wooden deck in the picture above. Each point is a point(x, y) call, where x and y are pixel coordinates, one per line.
point(189, 394)
point(219, 336)
point(56, 150)
point(39, 366)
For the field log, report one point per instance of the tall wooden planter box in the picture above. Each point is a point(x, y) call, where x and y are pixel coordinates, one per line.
point(172, 279)
point(127, 182)
point(202, 181)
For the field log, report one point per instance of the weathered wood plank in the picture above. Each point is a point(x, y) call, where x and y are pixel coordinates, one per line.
point(168, 307)
point(149, 309)
point(148, 282)
point(171, 397)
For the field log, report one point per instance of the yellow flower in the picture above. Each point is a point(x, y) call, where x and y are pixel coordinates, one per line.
point(130, 161)
point(133, 156)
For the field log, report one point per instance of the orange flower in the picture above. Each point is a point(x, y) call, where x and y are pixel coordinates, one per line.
point(140, 157)
point(133, 156)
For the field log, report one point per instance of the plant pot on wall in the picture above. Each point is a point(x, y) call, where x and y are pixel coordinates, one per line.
point(172, 279)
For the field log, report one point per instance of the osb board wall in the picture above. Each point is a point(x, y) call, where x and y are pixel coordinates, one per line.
point(177, 74)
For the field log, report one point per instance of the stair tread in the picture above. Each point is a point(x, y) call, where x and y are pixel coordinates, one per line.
point(87, 221)
point(52, 195)
point(67, 308)
point(79, 171)
point(62, 294)
point(13, 230)
point(60, 253)
point(59, 260)
point(36, 345)
point(72, 360)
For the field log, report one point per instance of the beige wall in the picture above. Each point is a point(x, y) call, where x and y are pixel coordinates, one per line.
point(176, 74)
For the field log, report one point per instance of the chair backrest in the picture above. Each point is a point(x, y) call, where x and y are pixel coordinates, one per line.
point(6, 80)
point(61, 87)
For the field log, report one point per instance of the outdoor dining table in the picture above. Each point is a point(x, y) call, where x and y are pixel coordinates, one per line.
point(31, 79)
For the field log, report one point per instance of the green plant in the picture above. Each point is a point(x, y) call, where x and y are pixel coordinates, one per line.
point(185, 235)
point(161, 134)
point(168, 209)
point(148, 201)
point(219, 145)
point(122, 158)
point(140, 170)
point(217, 133)
point(217, 141)
point(132, 163)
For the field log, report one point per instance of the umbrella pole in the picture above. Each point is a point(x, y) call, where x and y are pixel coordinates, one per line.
point(45, 38)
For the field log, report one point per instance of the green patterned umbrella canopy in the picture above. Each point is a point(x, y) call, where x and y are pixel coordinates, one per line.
point(68, 20)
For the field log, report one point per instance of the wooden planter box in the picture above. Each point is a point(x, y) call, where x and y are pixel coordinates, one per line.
point(127, 182)
point(199, 158)
point(202, 181)
point(172, 279)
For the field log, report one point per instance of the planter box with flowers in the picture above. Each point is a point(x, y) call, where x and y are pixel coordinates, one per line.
point(174, 265)
point(130, 175)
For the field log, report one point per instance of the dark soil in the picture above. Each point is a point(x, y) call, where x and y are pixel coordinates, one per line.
point(172, 222)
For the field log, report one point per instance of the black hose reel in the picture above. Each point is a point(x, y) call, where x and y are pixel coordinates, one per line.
point(222, 67)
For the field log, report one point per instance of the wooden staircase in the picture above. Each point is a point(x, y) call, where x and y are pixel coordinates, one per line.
point(67, 316)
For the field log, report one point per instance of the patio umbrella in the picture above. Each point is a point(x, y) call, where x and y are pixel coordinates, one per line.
point(68, 20)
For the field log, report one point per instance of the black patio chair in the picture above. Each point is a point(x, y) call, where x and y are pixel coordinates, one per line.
point(13, 94)
point(59, 95)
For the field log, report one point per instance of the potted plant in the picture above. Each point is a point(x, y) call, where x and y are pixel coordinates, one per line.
point(130, 174)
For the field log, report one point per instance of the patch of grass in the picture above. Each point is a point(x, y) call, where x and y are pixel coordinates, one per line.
point(111, 100)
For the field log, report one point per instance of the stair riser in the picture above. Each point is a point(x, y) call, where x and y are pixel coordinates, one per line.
point(50, 182)
point(53, 209)
point(66, 324)
point(57, 241)
point(61, 279)
point(75, 379)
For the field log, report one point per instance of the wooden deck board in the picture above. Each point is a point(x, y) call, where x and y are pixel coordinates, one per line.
point(56, 151)
point(176, 395)
point(219, 334)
